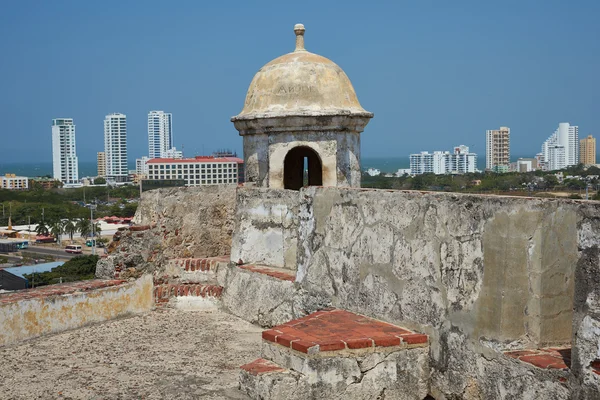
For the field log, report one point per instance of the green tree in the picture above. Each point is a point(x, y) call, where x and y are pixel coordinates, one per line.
point(99, 181)
point(56, 229)
point(70, 228)
point(42, 229)
point(83, 226)
point(550, 181)
point(76, 269)
point(97, 229)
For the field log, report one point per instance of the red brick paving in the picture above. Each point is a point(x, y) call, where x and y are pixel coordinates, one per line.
point(595, 365)
point(261, 366)
point(334, 329)
point(548, 358)
point(163, 292)
point(57, 290)
point(284, 276)
point(200, 264)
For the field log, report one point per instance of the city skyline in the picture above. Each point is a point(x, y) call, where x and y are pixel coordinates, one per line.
point(431, 70)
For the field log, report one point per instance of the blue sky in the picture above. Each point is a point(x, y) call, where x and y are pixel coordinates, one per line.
point(435, 73)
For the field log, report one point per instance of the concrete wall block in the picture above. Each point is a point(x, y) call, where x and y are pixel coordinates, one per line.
point(266, 227)
point(399, 374)
point(258, 298)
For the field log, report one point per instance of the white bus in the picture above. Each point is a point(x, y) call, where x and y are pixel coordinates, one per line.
point(73, 248)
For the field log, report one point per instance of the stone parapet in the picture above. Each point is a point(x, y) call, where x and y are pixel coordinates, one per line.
point(56, 308)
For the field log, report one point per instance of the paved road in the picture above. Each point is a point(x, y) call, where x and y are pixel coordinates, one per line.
point(53, 251)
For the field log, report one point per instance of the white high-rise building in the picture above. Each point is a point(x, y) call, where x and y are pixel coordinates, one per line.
point(561, 149)
point(64, 155)
point(160, 134)
point(115, 147)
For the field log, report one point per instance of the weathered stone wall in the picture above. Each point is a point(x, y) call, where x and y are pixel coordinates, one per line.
point(478, 274)
point(172, 223)
point(194, 221)
point(585, 364)
point(266, 227)
point(51, 309)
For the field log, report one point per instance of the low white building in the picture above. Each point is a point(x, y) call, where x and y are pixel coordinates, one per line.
point(402, 172)
point(461, 161)
point(197, 171)
point(13, 182)
point(173, 153)
point(373, 172)
point(428, 163)
point(141, 168)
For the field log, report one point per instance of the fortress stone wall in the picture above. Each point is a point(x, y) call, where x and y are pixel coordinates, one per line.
point(480, 275)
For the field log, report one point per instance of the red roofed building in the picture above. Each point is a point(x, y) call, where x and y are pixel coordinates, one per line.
point(197, 171)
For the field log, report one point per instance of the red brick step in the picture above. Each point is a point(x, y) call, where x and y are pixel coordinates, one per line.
point(333, 330)
point(277, 273)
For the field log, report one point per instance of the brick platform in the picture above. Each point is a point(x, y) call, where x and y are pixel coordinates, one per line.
point(336, 354)
point(57, 290)
point(549, 358)
point(332, 329)
point(277, 273)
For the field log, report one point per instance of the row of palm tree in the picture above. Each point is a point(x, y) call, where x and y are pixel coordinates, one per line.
point(68, 226)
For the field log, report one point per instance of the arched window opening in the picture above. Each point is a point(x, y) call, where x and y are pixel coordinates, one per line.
point(302, 166)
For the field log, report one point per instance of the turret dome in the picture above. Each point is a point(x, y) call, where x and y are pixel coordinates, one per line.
point(300, 83)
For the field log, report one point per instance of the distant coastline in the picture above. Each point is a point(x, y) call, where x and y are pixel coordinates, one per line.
point(35, 169)
point(89, 168)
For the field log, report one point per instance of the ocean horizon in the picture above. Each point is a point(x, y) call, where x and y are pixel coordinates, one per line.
point(89, 168)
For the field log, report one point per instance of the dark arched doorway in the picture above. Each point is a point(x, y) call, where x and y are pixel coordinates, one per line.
point(298, 161)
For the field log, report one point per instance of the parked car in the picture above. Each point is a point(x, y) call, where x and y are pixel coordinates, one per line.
point(93, 242)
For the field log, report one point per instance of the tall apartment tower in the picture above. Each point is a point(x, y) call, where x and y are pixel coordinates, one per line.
point(64, 155)
point(115, 147)
point(160, 133)
point(497, 148)
point(101, 164)
point(587, 150)
point(561, 149)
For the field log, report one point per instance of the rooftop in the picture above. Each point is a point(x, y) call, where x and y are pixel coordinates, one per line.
point(197, 159)
point(158, 355)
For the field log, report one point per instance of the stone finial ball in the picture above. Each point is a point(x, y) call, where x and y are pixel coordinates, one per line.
point(299, 29)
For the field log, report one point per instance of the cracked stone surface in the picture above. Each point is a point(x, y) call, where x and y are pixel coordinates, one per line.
point(186, 222)
point(162, 354)
point(258, 298)
point(478, 274)
point(400, 374)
